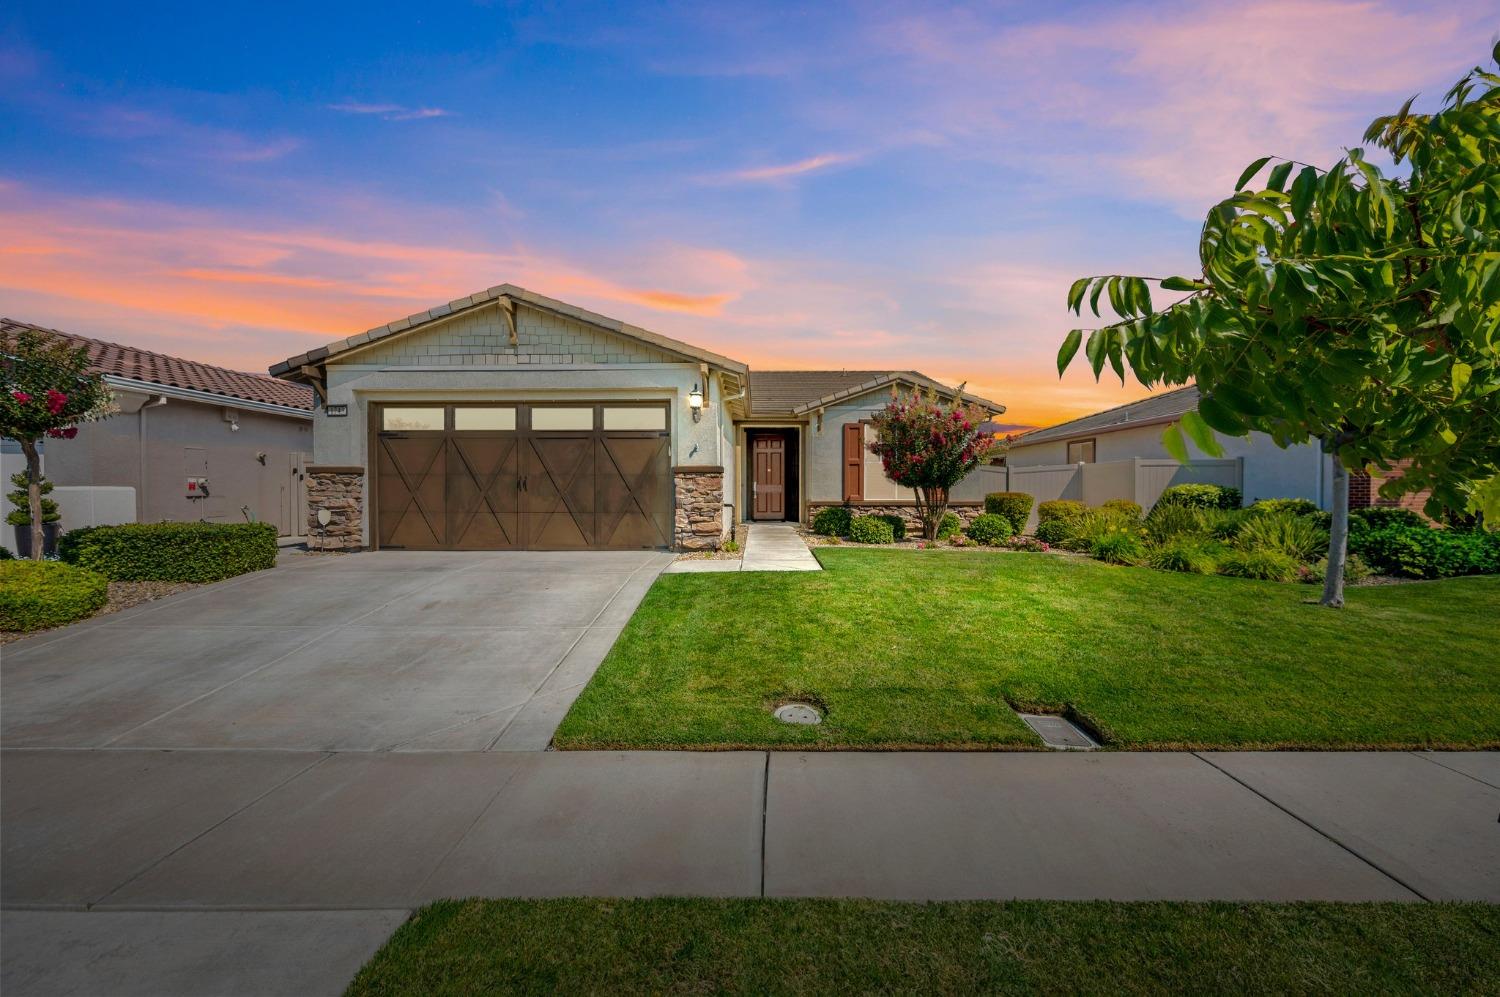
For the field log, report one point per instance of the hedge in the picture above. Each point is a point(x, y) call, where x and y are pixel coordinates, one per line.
point(991, 529)
point(1057, 509)
point(871, 530)
point(35, 595)
point(1425, 552)
point(173, 552)
point(832, 521)
point(1014, 506)
point(1203, 496)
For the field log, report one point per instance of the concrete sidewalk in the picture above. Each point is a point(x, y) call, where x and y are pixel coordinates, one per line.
point(95, 838)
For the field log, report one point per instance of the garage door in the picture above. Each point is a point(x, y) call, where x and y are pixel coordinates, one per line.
point(532, 476)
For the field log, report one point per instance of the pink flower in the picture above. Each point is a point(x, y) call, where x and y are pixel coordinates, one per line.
point(20, 396)
point(56, 400)
point(63, 434)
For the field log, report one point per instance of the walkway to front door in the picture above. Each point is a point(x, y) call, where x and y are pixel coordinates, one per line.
point(768, 547)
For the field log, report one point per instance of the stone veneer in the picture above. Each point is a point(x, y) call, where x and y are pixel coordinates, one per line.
point(341, 491)
point(699, 507)
point(965, 511)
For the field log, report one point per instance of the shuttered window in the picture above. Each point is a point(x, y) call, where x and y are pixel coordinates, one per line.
point(854, 462)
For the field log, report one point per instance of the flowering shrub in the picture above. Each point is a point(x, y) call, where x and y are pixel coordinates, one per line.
point(1029, 544)
point(929, 445)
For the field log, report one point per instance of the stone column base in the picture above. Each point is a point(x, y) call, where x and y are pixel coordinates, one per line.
point(340, 490)
point(699, 505)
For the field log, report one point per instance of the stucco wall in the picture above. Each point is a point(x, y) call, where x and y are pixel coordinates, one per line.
point(825, 458)
point(1301, 471)
point(110, 453)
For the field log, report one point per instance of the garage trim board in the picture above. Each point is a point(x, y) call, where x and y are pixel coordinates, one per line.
point(521, 476)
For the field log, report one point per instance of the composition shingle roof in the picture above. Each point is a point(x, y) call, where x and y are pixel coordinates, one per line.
point(1157, 408)
point(174, 372)
point(783, 392)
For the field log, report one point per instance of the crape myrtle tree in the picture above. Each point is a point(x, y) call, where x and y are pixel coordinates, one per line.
point(48, 390)
point(929, 445)
point(1345, 306)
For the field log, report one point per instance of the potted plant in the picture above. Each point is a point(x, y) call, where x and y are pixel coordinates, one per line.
point(20, 516)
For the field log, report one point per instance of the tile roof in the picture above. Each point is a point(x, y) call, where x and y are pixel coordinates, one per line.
point(1158, 408)
point(174, 372)
point(784, 392)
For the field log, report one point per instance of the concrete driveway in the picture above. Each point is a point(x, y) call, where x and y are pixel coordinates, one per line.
point(389, 651)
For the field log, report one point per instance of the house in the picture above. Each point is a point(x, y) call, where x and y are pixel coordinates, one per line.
point(507, 419)
point(188, 441)
point(1118, 453)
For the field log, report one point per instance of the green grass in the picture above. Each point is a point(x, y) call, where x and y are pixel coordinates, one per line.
point(931, 649)
point(850, 946)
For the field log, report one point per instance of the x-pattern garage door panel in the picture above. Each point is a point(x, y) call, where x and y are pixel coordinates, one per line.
point(548, 490)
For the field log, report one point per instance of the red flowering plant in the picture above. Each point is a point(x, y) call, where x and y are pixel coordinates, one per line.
point(46, 389)
point(929, 445)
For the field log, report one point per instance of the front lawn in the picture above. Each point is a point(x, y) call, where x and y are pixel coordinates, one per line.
point(854, 946)
point(931, 649)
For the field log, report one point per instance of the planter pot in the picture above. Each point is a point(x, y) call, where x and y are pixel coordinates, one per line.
point(49, 540)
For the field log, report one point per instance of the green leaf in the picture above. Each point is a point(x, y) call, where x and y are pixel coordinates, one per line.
point(1172, 439)
point(1279, 173)
point(1303, 190)
point(1198, 431)
point(1250, 171)
point(1461, 374)
point(1219, 415)
point(1098, 290)
point(1069, 350)
point(1076, 292)
point(1182, 284)
point(1095, 350)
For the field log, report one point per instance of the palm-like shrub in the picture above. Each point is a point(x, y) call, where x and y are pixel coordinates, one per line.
point(1298, 537)
point(1270, 565)
point(1223, 524)
point(1168, 522)
point(1193, 555)
point(1119, 544)
point(1095, 523)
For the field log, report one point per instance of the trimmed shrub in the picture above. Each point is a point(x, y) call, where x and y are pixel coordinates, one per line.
point(68, 543)
point(1118, 545)
point(1054, 531)
point(1202, 496)
point(1378, 517)
point(871, 530)
point(832, 521)
point(1060, 509)
point(1129, 508)
point(1298, 537)
point(1014, 506)
point(898, 526)
point(1295, 506)
point(950, 527)
point(1424, 552)
point(177, 552)
point(990, 529)
point(1269, 565)
point(1355, 571)
point(39, 594)
point(1189, 554)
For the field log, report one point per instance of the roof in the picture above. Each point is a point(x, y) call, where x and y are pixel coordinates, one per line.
point(795, 392)
point(132, 364)
point(291, 368)
point(1158, 408)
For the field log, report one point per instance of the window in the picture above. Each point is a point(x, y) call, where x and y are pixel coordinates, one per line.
point(394, 419)
point(551, 418)
point(651, 418)
point(491, 418)
point(1081, 452)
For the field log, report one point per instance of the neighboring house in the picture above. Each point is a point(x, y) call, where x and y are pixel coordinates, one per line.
point(1118, 453)
point(189, 441)
point(510, 420)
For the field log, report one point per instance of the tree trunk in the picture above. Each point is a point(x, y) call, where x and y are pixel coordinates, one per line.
point(1338, 538)
point(34, 495)
point(932, 504)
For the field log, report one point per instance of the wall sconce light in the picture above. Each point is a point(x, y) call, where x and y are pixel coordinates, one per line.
point(695, 402)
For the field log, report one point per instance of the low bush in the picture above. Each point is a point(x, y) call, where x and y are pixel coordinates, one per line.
point(951, 526)
point(832, 521)
point(69, 542)
point(1202, 496)
point(1027, 544)
point(871, 530)
point(6, 555)
point(1014, 506)
point(1270, 565)
point(1129, 508)
point(1377, 517)
point(990, 529)
point(1223, 524)
point(1095, 523)
point(39, 594)
point(898, 526)
point(1298, 537)
point(1355, 571)
point(176, 552)
point(1295, 506)
point(1426, 552)
point(1059, 509)
point(1167, 522)
point(1196, 556)
point(1119, 545)
point(1054, 531)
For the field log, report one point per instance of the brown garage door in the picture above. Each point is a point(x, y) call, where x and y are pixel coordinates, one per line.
point(540, 476)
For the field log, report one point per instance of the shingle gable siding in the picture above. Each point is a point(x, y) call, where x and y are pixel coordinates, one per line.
point(482, 338)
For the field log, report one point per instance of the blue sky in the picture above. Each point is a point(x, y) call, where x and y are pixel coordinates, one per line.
point(859, 185)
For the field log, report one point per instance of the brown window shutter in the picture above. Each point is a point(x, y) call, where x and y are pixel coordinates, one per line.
point(854, 462)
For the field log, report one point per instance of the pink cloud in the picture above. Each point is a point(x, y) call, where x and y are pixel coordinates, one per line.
point(785, 171)
point(391, 112)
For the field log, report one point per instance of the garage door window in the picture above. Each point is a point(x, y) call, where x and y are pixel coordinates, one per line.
point(411, 419)
point(490, 418)
point(653, 419)
point(548, 418)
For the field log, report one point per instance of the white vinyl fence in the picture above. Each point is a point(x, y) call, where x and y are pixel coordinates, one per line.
point(1139, 479)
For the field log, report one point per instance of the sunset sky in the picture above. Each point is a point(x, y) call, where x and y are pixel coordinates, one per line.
point(865, 185)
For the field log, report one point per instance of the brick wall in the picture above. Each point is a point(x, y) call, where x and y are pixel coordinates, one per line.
point(1364, 490)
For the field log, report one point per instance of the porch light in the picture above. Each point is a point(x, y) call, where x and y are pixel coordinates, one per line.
point(695, 402)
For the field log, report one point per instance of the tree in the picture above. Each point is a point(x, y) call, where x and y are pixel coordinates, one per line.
point(1345, 306)
point(48, 391)
point(929, 445)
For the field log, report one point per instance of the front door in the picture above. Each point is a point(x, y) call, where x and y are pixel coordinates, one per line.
point(769, 456)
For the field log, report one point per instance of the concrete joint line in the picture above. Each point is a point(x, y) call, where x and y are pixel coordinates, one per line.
point(1449, 768)
point(765, 808)
point(215, 825)
point(514, 771)
point(1310, 825)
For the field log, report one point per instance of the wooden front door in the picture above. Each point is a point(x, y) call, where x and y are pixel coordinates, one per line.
point(769, 457)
